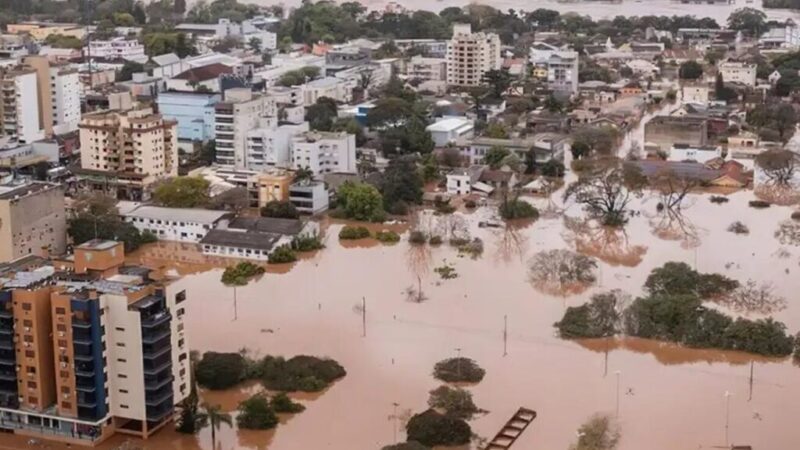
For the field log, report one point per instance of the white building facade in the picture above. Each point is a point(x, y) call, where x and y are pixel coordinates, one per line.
point(238, 114)
point(116, 48)
point(738, 72)
point(268, 145)
point(171, 224)
point(324, 152)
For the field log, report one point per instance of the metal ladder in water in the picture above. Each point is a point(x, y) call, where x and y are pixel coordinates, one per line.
point(512, 430)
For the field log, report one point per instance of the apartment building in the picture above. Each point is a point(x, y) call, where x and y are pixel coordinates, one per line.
point(427, 69)
point(269, 186)
point(59, 95)
point(193, 111)
point(324, 152)
point(558, 67)
point(268, 145)
point(116, 48)
point(235, 116)
point(125, 152)
point(470, 55)
point(738, 72)
point(90, 347)
point(32, 220)
point(20, 105)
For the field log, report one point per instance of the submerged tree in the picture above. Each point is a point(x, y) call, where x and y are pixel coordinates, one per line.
point(214, 416)
point(606, 188)
point(599, 433)
point(600, 317)
point(779, 167)
point(561, 272)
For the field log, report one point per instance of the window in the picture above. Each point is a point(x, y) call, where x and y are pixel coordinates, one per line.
point(122, 375)
point(180, 297)
point(27, 306)
point(119, 329)
point(66, 405)
point(27, 323)
point(63, 374)
point(182, 357)
point(61, 327)
point(123, 406)
point(121, 360)
point(62, 343)
point(120, 344)
point(31, 369)
point(33, 400)
point(61, 311)
point(31, 385)
point(123, 391)
point(65, 390)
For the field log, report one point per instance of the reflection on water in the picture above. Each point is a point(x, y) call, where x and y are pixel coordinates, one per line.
point(674, 225)
point(310, 309)
point(609, 244)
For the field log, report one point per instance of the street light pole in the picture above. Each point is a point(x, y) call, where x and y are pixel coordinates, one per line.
point(458, 362)
point(617, 373)
point(727, 415)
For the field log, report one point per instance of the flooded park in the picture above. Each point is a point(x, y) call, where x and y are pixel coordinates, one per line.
point(664, 396)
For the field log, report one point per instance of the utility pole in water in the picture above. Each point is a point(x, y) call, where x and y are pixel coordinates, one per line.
point(751, 381)
point(505, 335)
point(363, 317)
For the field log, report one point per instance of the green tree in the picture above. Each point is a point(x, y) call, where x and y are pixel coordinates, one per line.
point(454, 401)
point(606, 188)
point(255, 413)
point(220, 370)
point(190, 421)
point(598, 433)
point(254, 44)
point(128, 69)
point(361, 201)
point(499, 80)
point(321, 115)
point(431, 428)
point(496, 130)
point(495, 156)
point(690, 70)
point(95, 216)
point(749, 20)
point(62, 41)
point(401, 185)
point(600, 317)
point(182, 192)
point(213, 416)
point(280, 209)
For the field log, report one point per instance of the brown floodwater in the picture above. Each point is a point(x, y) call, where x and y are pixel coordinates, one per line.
point(669, 397)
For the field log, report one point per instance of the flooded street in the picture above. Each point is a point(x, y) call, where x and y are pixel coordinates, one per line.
point(669, 397)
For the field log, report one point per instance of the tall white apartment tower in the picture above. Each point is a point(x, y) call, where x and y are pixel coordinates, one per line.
point(470, 55)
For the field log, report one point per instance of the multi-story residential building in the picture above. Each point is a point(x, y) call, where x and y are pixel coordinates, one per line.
point(427, 69)
point(309, 197)
point(430, 47)
point(470, 55)
point(59, 92)
point(269, 186)
point(239, 113)
point(558, 67)
point(116, 48)
point(125, 152)
point(32, 220)
point(193, 111)
point(268, 145)
point(324, 152)
point(246, 30)
point(738, 72)
point(98, 348)
point(543, 146)
point(12, 46)
point(19, 109)
point(330, 87)
point(171, 224)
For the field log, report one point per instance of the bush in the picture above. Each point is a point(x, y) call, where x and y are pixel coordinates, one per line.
point(719, 199)
point(447, 272)
point(517, 209)
point(738, 228)
point(759, 204)
point(455, 370)
point(435, 240)
point(796, 216)
point(595, 319)
point(677, 278)
point(301, 373)
point(255, 413)
point(282, 254)
point(553, 169)
point(282, 210)
point(307, 243)
point(431, 428)
point(352, 233)
point(444, 208)
point(281, 403)
point(473, 248)
point(470, 204)
point(456, 402)
point(220, 370)
point(417, 237)
point(387, 237)
point(241, 273)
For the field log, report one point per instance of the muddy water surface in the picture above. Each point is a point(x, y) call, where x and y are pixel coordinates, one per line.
point(669, 398)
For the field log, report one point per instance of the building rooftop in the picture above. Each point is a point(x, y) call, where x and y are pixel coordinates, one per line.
point(449, 124)
point(241, 239)
point(267, 225)
point(204, 73)
point(203, 216)
point(98, 244)
point(10, 192)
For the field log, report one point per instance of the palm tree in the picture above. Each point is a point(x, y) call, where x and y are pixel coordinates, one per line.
point(213, 415)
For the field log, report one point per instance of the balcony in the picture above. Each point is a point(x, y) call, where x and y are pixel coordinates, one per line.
point(87, 401)
point(156, 319)
point(159, 397)
point(157, 414)
point(155, 383)
point(82, 324)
